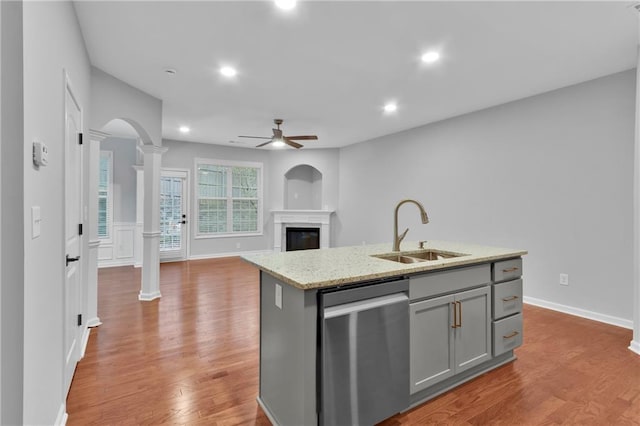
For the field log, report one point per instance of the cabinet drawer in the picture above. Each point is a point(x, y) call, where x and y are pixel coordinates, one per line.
point(507, 298)
point(507, 270)
point(435, 283)
point(507, 334)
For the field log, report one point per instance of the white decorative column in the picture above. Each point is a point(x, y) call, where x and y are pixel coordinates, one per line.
point(635, 343)
point(137, 242)
point(311, 218)
point(95, 137)
point(150, 286)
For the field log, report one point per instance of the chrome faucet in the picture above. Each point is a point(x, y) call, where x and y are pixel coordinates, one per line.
point(397, 239)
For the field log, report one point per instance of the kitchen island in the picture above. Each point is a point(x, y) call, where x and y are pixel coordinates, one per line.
point(462, 317)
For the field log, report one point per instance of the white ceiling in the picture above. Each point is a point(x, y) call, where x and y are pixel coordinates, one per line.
point(328, 67)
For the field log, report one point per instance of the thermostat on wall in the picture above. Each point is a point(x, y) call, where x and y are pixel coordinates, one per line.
point(40, 154)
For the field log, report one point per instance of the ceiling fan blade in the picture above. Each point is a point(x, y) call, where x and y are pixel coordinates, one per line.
point(292, 143)
point(255, 137)
point(263, 144)
point(304, 137)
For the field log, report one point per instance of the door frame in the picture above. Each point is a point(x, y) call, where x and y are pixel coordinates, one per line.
point(186, 231)
point(81, 290)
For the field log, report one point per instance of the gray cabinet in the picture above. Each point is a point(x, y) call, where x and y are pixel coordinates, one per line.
point(507, 305)
point(449, 334)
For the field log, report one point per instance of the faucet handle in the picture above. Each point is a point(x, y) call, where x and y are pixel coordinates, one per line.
point(401, 237)
point(421, 244)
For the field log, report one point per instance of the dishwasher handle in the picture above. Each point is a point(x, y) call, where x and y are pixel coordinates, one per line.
point(364, 305)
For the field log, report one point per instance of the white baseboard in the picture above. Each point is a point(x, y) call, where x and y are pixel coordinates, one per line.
point(94, 322)
point(607, 319)
point(230, 254)
point(61, 419)
point(115, 263)
point(85, 341)
point(147, 297)
point(635, 347)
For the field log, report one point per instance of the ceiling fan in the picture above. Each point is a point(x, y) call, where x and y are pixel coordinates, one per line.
point(278, 139)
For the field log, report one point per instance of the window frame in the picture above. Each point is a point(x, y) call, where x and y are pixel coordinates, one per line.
point(229, 164)
point(108, 239)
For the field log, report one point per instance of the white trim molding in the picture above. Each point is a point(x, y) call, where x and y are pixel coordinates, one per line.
point(583, 313)
point(122, 248)
point(61, 418)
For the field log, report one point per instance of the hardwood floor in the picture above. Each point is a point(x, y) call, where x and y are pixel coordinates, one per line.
point(191, 357)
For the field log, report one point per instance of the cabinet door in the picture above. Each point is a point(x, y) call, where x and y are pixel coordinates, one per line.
point(432, 342)
point(473, 334)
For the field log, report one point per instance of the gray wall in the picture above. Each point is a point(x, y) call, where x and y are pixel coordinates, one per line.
point(114, 99)
point(551, 174)
point(182, 155)
point(276, 163)
point(11, 200)
point(52, 46)
point(124, 177)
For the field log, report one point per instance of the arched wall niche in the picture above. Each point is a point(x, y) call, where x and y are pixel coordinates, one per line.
point(303, 188)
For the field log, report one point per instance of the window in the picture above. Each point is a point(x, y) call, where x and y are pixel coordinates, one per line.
point(105, 198)
point(228, 197)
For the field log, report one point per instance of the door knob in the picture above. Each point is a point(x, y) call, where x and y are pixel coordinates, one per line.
point(72, 259)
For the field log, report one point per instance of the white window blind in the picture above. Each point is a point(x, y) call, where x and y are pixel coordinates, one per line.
point(229, 198)
point(105, 197)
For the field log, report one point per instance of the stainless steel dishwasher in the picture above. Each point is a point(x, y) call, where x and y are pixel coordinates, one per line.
point(364, 352)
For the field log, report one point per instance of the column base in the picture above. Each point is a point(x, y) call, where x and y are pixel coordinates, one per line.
point(147, 297)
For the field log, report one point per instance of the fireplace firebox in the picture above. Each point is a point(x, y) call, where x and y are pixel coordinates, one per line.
point(303, 238)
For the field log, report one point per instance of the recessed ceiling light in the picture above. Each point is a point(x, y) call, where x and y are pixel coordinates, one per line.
point(390, 107)
point(170, 71)
point(184, 129)
point(228, 71)
point(278, 143)
point(286, 4)
point(430, 57)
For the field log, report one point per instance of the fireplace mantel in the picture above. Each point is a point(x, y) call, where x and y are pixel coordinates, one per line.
point(310, 218)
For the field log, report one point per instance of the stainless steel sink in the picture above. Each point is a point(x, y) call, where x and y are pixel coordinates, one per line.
point(417, 256)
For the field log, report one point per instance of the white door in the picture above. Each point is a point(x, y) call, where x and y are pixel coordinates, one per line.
point(173, 215)
point(73, 219)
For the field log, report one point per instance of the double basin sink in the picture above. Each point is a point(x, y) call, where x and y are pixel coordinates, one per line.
point(418, 256)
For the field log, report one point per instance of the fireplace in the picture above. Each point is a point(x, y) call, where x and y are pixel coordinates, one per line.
point(303, 238)
point(319, 220)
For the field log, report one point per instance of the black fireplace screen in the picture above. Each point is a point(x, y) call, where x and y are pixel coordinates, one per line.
point(303, 238)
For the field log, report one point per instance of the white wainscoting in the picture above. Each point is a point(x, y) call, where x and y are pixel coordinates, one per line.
point(121, 250)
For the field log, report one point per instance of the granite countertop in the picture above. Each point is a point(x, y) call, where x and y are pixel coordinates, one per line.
point(309, 269)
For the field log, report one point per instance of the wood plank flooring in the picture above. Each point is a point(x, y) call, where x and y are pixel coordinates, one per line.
point(191, 357)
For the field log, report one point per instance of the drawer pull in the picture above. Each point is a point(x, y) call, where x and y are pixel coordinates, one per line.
point(509, 299)
point(457, 314)
point(515, 268)
point(510, 335)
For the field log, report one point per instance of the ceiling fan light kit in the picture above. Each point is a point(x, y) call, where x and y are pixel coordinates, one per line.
point(279, 140)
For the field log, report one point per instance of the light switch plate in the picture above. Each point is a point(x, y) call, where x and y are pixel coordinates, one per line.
point(35, 221)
